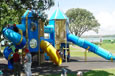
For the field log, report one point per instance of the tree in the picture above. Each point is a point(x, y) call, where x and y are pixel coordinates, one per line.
point(81, 21)
point(12, 10)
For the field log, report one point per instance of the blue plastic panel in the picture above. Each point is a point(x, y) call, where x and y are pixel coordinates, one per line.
point(21, 26)
point(33, 34)
point(49, 29)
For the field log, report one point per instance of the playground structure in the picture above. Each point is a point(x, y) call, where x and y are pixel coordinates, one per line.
point(59, 37)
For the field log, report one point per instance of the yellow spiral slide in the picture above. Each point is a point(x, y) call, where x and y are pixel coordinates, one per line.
point(51, 51)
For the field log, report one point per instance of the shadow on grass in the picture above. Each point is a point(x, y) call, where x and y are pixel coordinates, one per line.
point(50, 69)
point(4, 69)
point(85, 73)
point(47, 68)
point(98, 73)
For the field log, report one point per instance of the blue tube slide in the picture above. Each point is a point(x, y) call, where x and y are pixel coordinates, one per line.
point(92, 47)
point(18, 40)
point(8, 54)
point(21, 27)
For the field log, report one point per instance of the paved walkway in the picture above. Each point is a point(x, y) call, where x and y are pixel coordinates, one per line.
point(75, 64)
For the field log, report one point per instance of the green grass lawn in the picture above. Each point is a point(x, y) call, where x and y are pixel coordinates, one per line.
point(108, 46)
point(95, 72)
point(77, 51)
point(81, 54)
point(100, 72)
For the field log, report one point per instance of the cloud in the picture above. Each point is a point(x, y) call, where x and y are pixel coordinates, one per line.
point(107, 22)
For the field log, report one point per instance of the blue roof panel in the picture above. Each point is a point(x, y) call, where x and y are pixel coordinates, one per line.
point(58, 15)
point(25, 14)
point(53, 15)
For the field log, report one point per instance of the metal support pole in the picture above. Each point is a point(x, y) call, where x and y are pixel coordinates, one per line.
point(111, 59)
point(39, 42)
point(27, 30)
point(66, 52)
point(86, 53)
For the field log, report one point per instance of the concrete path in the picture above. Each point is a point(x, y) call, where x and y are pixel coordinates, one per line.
point(75, 64)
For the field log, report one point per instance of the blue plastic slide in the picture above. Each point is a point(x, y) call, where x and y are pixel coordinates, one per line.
point(92, 47)
point(17, 39)
point(8, 54)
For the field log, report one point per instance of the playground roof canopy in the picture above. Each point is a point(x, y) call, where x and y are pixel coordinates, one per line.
point(58, 14)
point(29, 13)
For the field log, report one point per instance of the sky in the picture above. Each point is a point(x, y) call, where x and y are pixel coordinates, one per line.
point(103, 10)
